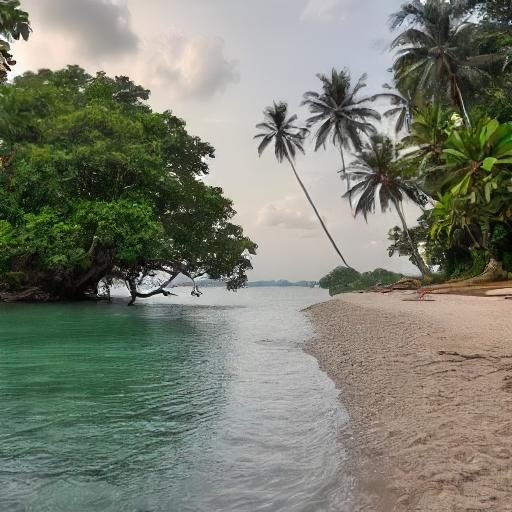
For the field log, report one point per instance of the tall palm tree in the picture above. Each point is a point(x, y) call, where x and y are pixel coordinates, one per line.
point(341, 113)
point(437, 51)
point(377, 171)
point(280, 128)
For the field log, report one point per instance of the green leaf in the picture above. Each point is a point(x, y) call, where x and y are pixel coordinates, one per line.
point(25, 31)
point(488, 131)
point(487, 190)
point(454, 152)
point(488, 163)
point(462, 186)
point(503, 148)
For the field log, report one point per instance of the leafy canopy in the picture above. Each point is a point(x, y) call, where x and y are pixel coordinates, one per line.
point(97, 185)
point(14, 23)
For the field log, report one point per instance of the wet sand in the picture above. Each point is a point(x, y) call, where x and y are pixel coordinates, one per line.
point(428, 387)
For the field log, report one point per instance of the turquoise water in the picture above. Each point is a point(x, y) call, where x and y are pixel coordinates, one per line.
point(204, 405)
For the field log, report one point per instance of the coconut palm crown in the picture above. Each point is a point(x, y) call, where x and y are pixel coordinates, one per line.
point(436, 51)
point(280, 128)
point(340, 113)
point(378, 173)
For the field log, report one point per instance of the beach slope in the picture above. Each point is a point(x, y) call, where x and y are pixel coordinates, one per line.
point(428, 387)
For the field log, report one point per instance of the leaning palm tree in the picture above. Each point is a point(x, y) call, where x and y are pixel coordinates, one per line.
point(436, 52)
point(343, 116)
point(280, 129)
point(378, 172)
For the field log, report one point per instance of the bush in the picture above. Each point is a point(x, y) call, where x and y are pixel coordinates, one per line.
point(507, 261)
point(344, 280)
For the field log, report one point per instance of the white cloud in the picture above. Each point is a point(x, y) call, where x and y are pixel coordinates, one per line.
point(291, 214)
point(321, 10)
point(192, 66)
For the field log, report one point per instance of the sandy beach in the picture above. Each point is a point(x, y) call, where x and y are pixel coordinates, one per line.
point(428, 387)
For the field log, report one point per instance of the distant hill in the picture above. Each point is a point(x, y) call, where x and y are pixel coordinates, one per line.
point(283, 283)
point(214, 283)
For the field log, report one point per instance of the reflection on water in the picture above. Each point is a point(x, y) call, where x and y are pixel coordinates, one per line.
point(207, 405)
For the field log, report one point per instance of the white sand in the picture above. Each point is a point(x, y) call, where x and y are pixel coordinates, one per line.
point(428, 386)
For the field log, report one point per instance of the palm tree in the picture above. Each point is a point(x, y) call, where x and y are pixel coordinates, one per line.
point(14, 23)
point(401, 108)
point(377, 171)
point(341, 113)
point(437, 51)
point(280, 128)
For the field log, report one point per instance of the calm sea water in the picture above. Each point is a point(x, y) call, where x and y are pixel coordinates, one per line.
point(172, 405)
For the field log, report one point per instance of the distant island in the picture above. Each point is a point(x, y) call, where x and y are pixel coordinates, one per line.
point(283, 282)
point(214, 283)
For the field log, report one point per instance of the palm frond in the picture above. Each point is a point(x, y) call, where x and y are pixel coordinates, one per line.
point(280, 128)
point(339, 110)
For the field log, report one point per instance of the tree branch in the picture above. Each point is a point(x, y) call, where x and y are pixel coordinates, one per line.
point(131, 283)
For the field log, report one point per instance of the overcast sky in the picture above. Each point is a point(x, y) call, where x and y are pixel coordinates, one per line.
point(217, 64)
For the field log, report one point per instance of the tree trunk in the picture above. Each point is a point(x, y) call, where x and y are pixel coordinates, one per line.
point(493, 272)
point(308, 197)
point(160, 290)
point(420, 263)
point(345, 175)
point(458, 99)
point(343, 166)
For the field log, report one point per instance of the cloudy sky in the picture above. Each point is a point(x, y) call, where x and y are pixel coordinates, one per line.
point(217, 64)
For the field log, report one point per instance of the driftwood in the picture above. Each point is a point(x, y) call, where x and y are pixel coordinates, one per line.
point(493, 277)
point(493, 273)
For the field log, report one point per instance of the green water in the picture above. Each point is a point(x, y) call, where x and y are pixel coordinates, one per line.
point(206, 405)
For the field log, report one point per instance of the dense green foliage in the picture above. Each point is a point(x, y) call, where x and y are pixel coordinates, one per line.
point(450, 96)
point(458, 146)
point(96, 186)
point(344, 280)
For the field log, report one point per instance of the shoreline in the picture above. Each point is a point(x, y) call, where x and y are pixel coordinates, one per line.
point(428, 388)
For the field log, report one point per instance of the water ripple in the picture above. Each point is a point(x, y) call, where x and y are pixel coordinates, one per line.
point(191, 407)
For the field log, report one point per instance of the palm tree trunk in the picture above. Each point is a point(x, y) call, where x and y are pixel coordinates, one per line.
point(420, 263)
point(343, 167)
point(344, 174)
point(308, 197)
point(460, 100)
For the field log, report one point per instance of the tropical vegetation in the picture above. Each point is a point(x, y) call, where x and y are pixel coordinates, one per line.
point(14, 23)
point(344, 280)
point(97, 188)
point(340, 113)
point(450, 97)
